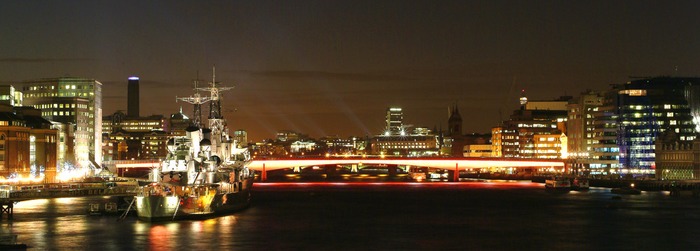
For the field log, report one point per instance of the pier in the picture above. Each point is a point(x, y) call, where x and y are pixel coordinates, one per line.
point(12, 194)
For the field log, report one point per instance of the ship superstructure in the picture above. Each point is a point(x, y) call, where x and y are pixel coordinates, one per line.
point(205, 172)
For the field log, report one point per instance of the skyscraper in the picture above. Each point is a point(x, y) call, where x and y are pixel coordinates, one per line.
point(394, 121)
point(133, 98)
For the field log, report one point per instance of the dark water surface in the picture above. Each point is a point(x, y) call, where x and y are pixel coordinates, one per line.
point(384, 216)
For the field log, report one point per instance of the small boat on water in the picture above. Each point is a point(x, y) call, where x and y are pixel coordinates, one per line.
point(558, 184)
point(580, 183)
point(626, 190)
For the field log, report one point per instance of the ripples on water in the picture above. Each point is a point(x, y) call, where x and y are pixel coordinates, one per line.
point(380, 216)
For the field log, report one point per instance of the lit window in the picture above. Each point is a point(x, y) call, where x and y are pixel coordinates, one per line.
point(669, 114)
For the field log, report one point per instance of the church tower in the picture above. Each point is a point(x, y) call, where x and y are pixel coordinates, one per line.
point(454, 121)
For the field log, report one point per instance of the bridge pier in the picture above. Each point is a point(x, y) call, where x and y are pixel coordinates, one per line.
point(354, 169)
point(263, 175)
point(6, 206)
point(456, 172)
point(297, 169)
point(392, 170)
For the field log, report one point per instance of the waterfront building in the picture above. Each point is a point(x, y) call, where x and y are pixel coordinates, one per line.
point(477, 150)
point(550, 146)
point(545, 117)
point(407, 145)
point(74, 102)
point(604, 156)
point(497, 138)
point(581, 134)
point(677, 159)
point(28, 144)
point(648, 107)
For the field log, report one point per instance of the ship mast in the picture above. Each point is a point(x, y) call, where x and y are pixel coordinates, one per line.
point(196, 100)
point(217, 124)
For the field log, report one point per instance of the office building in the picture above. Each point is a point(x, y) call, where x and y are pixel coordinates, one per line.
point(394, 122)
point(645, 109)
point(75, 102)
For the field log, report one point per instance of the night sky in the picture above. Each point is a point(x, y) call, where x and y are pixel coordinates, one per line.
point(333, 67)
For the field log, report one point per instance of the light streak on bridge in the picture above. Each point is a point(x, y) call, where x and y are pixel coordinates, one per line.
point(454, 164)
point(441, 163)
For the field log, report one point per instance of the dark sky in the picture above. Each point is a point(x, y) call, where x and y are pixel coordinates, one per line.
point(333, 67)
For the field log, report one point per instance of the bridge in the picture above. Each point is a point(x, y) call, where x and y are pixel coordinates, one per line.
point(452, 164)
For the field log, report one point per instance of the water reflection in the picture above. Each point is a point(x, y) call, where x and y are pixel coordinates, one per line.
point(336, 215)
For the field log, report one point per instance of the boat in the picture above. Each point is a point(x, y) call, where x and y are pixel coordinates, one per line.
point(557, 183)
point(580, 183)
point(205, 173)
point(626, 190)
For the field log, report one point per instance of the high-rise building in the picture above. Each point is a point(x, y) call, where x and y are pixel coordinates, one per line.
point(648, 107)
point(133, 98)
point(580, 128)
point(76, 102)
point(394, 122)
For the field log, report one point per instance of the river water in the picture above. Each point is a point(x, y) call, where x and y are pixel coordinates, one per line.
point(384, 216)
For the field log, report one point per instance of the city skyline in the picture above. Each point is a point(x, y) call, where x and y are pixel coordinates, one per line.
point(332, 68)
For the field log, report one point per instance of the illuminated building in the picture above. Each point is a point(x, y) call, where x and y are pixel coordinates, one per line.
point(394, 122)
point(133, 97)
point(396, 141)
point(477, 150)
point(131, 137)
point(120, 122)
point(550, 146)
point(28, 144)
point(410, 145)
point(676, 159)
point(534, 118)
point(10, 96)
point(137, 145)
point(497, 141)
point(583, 138)
point(289, 136)
point(177, 124)
point(75, 102)
point(241, 137)
point(648, 107)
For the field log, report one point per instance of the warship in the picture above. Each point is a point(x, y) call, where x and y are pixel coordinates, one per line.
point(205, 173)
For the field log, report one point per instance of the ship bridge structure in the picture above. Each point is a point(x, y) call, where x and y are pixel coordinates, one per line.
point(451, 164)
